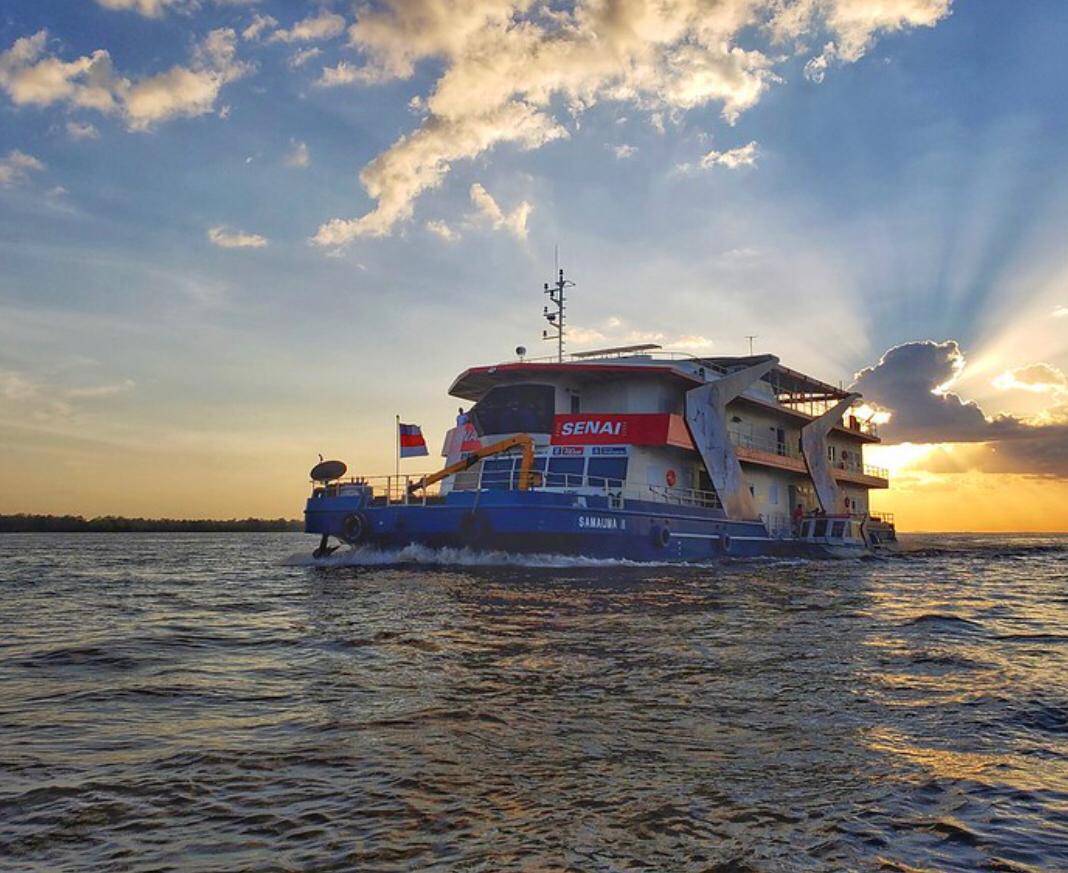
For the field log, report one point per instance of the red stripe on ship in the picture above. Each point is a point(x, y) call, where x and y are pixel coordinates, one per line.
point(639, 429)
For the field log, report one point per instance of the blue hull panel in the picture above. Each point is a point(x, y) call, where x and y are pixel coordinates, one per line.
point(547, 522)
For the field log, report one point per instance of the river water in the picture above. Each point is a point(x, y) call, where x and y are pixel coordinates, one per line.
point(212, 702)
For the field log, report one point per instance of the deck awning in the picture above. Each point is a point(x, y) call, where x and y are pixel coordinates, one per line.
point(473, 384)
point(785, 381)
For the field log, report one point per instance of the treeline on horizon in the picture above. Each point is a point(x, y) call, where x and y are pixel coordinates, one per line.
point(23, 523)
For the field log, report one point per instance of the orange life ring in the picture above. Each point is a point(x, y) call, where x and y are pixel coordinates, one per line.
point(671, 477)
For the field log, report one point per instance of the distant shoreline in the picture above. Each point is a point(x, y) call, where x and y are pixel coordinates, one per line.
point(23, 523)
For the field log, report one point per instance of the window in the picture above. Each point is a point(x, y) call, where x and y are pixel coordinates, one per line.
point(576, 404)
point(838, 529)
point(497, 473)
point(819, 529)
point(614, 470)
point(515, 409)
point(830, 453)
point(565, 472)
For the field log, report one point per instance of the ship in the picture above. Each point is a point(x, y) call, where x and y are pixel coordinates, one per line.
point(631, 453)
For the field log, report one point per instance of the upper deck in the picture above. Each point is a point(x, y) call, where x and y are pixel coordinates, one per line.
point(643, 379)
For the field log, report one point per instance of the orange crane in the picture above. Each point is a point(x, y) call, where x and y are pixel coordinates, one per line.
point(526, 466)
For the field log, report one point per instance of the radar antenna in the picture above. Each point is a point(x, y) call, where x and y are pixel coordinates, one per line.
point(557, 297)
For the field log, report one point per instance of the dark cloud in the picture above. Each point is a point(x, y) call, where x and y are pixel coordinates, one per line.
point(907, 381)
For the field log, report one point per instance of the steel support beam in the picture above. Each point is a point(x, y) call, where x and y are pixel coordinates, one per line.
point(706, 416)
point(814, 448)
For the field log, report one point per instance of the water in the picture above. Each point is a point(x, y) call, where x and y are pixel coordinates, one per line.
point(209, 702)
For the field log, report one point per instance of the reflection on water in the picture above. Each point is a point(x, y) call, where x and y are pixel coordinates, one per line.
point(207, 702)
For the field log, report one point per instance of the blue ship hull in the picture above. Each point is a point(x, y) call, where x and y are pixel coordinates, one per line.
point(546, 522)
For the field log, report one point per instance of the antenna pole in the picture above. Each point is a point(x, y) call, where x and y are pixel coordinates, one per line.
point(751, 337)
point(558, 297)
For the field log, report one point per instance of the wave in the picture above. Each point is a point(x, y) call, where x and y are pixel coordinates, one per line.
point(451, 557)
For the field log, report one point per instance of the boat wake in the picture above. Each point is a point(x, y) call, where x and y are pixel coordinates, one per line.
point(415, 554)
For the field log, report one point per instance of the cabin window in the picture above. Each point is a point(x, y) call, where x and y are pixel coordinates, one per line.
point(819, 528)
point(610, 471)
point(773, 494)
point(830, 453)
point(515, 409)
point(838, 529)
point(565, 472)
point(576, 404)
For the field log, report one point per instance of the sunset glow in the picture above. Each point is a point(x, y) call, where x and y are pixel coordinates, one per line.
point(236, 235)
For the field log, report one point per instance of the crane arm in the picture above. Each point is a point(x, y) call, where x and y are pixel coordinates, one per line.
point(526, 467)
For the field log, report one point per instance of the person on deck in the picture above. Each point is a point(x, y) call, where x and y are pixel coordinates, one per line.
point(461, 417)
point(798, 517)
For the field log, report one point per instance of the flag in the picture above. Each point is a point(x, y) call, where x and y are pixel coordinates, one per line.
point(410, 438)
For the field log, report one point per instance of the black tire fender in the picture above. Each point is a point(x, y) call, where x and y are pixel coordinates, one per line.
point(356, 527)
point(662, 536)
point(725, 543)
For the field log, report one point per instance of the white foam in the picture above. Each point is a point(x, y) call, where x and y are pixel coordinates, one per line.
point(449, 557)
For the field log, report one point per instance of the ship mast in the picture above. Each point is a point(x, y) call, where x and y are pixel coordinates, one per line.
point(557, 297)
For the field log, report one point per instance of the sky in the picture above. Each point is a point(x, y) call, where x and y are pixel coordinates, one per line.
point(236, 234)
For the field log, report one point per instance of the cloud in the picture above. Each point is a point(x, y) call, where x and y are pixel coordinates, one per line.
point(614, 332)
point(257, 26)
point(1036, 378)
point(912, 382)
point(16, 167)
point(30, 76)
point(624, 151)
point(298, 156)
point(109, 390)
point(186, 91)
point(324, 25)
point(1060, 312)
point(515, 222)
point(500, 59)
point(854, 24)
point(227, 239)
point(15, 386)
point(148, 8)
point(301, 57)
point(26, 398)
point(156, 8)
point(344, 73)
point(732, 159)
point(82, 130)
point(420, 161)
point(441, 229)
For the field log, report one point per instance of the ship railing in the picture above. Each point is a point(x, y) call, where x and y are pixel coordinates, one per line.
point(885, 517)
point(785, 450)
point(862, 469)
point(397, 489)
point(615, 490)
point(654, 355)
point(391, 489)
point(685, 496)
point(762, 444)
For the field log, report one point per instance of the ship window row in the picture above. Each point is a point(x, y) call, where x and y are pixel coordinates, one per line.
point(503, 473)
point(822, 527)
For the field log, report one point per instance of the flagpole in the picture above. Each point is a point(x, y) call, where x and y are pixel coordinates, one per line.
point(398, 448)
